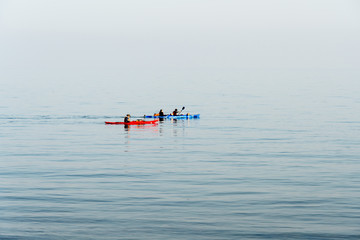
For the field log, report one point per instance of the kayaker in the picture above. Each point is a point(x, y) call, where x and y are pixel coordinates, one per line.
point(127, 118)
point(176, 112)
point(161, 113)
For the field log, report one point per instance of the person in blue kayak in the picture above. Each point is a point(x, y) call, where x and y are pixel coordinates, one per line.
point(127, 118)
point(176, 112)
point(161, 113)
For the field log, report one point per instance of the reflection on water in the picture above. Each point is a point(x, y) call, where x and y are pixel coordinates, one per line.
point(180, 179)
point(135, 134)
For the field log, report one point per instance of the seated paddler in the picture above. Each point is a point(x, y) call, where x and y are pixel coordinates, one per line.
point(161, 113)
point(127, 118)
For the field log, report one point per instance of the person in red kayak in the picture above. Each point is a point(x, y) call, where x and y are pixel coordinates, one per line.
point(127, 118)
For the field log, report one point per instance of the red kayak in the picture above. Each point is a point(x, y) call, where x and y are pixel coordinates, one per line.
point(135, 122)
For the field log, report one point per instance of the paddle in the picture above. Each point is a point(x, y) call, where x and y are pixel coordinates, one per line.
point(181, 110)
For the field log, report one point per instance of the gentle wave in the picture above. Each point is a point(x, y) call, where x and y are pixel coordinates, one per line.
point(41, 117)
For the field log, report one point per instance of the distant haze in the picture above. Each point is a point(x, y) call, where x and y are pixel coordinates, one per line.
point(170, 45)
point(202, 33)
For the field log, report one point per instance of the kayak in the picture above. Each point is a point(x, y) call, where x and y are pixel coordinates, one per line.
point(135, 122)
point(174, 117)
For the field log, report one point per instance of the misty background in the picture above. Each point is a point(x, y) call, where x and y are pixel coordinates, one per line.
point(61, 55)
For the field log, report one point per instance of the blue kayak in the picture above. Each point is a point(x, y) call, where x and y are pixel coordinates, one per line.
point(175, 117)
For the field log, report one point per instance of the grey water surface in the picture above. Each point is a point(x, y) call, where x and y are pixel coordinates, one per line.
point(270, 158)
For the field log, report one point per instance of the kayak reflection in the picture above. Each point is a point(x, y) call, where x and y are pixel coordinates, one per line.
point(127, 127)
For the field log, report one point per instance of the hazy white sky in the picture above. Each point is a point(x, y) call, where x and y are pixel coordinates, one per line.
point(145, 17)
point(173, 35)
point(69, 51)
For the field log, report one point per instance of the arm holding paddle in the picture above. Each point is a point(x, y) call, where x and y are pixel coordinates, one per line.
point(176, 113)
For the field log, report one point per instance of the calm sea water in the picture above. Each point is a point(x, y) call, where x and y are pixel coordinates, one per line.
point(268, 159)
